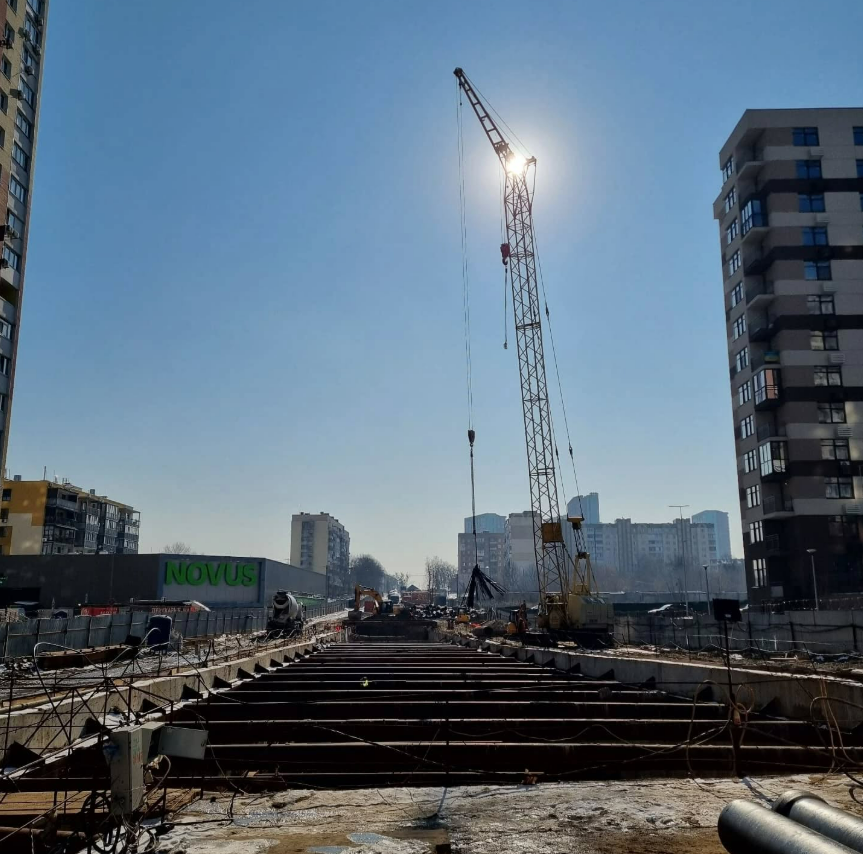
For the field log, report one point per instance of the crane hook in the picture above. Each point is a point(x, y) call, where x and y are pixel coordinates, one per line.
point(504, 253)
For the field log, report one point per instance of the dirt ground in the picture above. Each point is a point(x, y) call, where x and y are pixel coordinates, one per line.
point(636, 817)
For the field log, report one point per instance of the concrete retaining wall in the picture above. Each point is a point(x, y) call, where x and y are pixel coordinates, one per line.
point(788, 695)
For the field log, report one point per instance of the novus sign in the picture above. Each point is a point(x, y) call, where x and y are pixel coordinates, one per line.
point(211, 573)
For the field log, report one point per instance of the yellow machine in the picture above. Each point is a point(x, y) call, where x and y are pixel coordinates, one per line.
point(361, 593)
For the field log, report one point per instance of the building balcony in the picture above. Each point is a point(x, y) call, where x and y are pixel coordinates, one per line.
point(767, 357)
point(774, 545)
point(777, 507)
point(748, 170)
point(759, 295)
point(762, 328)
point(62, 502)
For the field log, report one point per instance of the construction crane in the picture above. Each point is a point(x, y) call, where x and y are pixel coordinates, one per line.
point(567, 599)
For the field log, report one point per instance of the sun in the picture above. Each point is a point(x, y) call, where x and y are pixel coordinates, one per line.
point(515, 163)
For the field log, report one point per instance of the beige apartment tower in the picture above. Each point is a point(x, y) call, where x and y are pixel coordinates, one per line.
point(319, 542)
point(790, 218)
point(21, 57)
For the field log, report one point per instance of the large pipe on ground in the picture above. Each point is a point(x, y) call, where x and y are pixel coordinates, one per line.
point(746, 827)
point(813, 812)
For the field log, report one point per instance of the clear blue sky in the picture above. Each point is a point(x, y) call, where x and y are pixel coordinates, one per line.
point(243, 288)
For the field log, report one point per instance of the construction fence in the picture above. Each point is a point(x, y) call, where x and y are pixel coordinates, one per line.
point(813, 632)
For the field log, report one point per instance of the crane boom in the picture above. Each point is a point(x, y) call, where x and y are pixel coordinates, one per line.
point(518, 253)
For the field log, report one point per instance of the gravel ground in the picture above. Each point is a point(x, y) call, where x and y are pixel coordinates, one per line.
point(637, 817)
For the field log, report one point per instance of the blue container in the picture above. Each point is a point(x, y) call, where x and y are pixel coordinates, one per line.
point(159, 630)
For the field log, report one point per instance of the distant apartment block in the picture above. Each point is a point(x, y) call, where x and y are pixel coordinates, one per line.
point(44, 517)
point(790, 216)
point(21, 61)
point(719, 520)
point(321, 543)
point(586, 506)
point(489, 554)
point(486, 523)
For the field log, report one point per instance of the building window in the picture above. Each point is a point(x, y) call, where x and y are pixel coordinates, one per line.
point(744, 393)
point(828, 376)
point(817, 270)
point(738, 327)
point(6, 67)
point(33, 33)
point(858, 136)
point(2, 138)
point(750, 461)
point(759, 572)
point(838, 487)
point(730, 200)
point(824, 340)
point(831, 413)
point(752, 216)
point(731, 232)
point(753, 496)
point(810, 203)
point(4, 102)
point(835, 449)
point(728, 168)
point(737, 294)
point(9, 35)
point(5, 332)
point(860, 168)
point(820, 304)
point(772, 458)
point(842, 526)
point(747, 427)
point(741, 360)
point(766, 385)
point(756, 531)
point(816, 236)
point(12, 258)
point(28, 63)
point(17, 189)
point(805, 136)
point(15, 223)
point(734, 263)
point(3, 401)
point(13, 5)
point(808, 168)
point(20, 156)
point(27, 93)
point(23, 124)
point(7, 495)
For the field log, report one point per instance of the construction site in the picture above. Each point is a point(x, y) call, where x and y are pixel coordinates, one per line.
point(384, 727)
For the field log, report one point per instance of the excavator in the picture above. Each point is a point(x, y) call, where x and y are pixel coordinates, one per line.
point(382, 606)
point(570, 606)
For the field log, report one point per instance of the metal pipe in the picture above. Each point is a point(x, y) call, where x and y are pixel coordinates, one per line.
point(813, 812)
point(746, 827)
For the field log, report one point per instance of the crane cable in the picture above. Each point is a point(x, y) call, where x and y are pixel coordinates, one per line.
point(471, 433)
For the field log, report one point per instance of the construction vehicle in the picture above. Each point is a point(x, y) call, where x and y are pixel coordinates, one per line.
point(287, 614)
point(569, 603)
point(379, 605)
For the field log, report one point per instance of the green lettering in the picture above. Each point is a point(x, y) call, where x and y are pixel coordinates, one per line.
point(233, 582)
point(214, 572)
point(175, 573)
point(195, 573)
point(250, 574)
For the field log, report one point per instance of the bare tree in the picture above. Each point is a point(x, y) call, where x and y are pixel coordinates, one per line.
point(178, 548)
point(368, 571)
point(401, 580)
point(440, 574)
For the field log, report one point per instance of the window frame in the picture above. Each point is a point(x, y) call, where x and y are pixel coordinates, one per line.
point(811, 203)
point(750, 461)
point(22, 198)
point(12, 257)
point(730, 199)
point(756, 531)
point(827, 371)
point(738, 327)
point(18, 154)
point(805, 136)
point(819, 302)
point(829, 412)
point(857, 134)
point(839, 450)
point(842, 485)
point(736, 294)
point(747, 426)
point(741, 359)
point(734, 263)
point(753, 496)
point(744, 393)
point(807, 169)
point(818, 271)
point(27, 128)
point(810, 235)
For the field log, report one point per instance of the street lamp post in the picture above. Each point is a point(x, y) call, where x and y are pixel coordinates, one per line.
point(707, 582)
point(683, 556)
point(811, 553)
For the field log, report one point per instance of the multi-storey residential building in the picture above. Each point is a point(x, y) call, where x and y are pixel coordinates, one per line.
point(486, 523)
point(44, 517)
point(518, 542)
point(719, 520)
point(489, 554)
point(21, 58)
point(790, 218)
point(586, 506)
point(319, 542)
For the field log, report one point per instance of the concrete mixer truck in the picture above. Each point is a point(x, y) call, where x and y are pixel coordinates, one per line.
point(287, 614)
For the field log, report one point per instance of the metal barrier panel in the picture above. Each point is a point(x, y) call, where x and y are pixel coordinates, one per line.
point(77, 632)
point(138, 624)
point(52, 633)
point(22, 638)
point(119, 627)
point(181, 620)
point(100, 630)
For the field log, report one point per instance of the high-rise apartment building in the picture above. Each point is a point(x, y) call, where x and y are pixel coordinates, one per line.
point(319, 542)
point(790, 218)
point(486, 523)
point(489, 554)
point(21, 58)
point(586, 506)
point(719, 520)
point(44, 517)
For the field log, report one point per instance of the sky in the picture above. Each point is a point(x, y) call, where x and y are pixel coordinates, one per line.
point(244, 290)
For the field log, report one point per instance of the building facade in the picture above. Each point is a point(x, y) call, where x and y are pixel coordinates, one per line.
point(489, 554)
point(586, 506)
point(486, 523)
point(518, 542)
point(790, 216)
point(320, 543)
point(43, 517)
point(24, 29)
point(719, 520)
